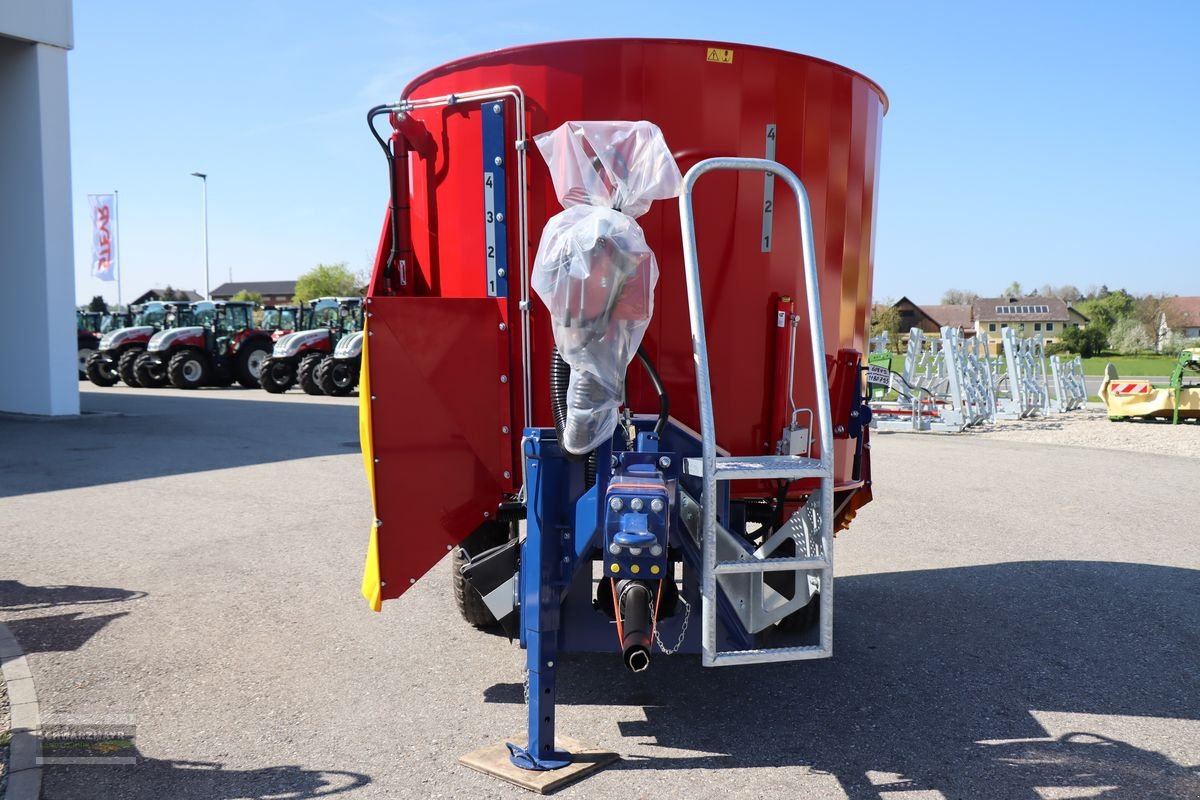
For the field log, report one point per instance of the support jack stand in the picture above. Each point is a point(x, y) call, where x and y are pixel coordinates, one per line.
point(496, 760)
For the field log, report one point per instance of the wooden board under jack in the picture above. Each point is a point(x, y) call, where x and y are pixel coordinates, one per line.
point(493, 760)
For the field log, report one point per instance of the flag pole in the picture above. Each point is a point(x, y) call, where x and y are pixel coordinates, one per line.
point(117, 230)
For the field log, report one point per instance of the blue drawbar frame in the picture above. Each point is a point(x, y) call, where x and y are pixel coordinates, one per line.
point(563, 536)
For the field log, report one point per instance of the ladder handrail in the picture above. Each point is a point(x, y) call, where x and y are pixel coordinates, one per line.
point(708, 435)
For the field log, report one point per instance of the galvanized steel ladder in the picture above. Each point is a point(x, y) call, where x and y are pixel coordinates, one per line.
point(725, 561)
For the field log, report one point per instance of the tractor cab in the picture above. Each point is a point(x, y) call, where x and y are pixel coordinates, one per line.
point(280, 320)
point(88, 321)
point(115, 321)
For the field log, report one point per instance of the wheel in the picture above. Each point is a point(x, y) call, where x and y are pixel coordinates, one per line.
point(305, 374)
point(277, 376)
point(84, 354)
point(470, 603)
point(100, 371)
point(188, 370)
point(149, 372)
point(250, 360)
point(334, 377)
point(126, 366)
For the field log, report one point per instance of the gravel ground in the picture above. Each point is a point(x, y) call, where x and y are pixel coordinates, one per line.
point(1091, 427)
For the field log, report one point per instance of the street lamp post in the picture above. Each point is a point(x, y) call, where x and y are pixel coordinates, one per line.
point(204, 179)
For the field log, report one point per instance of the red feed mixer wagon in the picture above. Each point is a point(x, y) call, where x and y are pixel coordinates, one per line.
point(558, 212)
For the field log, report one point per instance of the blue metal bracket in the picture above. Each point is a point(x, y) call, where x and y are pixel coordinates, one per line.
point(495, 209)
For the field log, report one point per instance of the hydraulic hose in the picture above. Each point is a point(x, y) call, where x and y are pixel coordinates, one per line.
point(393, 218)
point(664, 403)
point(560, 379)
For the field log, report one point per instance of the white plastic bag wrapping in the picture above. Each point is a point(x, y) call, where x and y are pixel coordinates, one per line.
point(594, 270)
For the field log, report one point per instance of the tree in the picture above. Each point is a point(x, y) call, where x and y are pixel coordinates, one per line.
point(956, 297)
point(325, 280)
point(1103, 311)
point(1067, 292)
point(172, 294)
point(251, 297)
point(886, 319)
point(98, 304)
point(1087, 342)
point(1013, 290)
point(1129, 335)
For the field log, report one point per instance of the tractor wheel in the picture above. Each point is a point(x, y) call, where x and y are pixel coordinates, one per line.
point(334, 377)
point(149, 372)
point(470, 603)
point(188, 370)
point(276, 376)
point(250, 360)
point(126, 366)
point(100, 371)
point(306, 373)
point(84, 354)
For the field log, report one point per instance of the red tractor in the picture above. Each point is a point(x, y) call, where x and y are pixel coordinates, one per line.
point(222, 345)
point(119, 347)
point(297, 355)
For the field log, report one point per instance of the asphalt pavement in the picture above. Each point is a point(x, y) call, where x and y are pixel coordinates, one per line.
point(1012, 621)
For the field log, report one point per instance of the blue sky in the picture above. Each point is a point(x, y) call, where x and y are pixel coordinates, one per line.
point(1039, 142)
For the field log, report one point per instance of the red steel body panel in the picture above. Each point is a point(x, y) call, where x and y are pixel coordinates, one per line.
point(827, 122)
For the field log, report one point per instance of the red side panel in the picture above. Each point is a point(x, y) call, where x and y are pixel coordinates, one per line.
point(440, 408)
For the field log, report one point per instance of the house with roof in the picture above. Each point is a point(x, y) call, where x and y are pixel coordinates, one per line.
point(931, 319)
point(1180, 320)
point(167, 293)
point(1028, 316)
point(273, 292)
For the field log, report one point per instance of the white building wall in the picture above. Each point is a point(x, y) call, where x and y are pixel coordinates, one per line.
point(37, 301)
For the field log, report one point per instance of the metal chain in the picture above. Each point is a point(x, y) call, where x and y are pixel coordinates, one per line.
point(687, 614)
point(524, 666)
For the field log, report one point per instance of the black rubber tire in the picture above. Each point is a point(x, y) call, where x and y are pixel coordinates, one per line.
point(149, 375)
point(126, 366)
point(469, 602)
point(185, 376)
point(100, 371)
point(306, 373)
point(277, 376)
point(334, 378)
point(245, 375)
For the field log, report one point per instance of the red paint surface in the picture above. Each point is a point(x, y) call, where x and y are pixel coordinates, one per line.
point(828, 121)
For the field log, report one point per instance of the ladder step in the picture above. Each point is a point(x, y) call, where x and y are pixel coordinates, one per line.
point(769, 565)
point(748, 468)
point(769, 655)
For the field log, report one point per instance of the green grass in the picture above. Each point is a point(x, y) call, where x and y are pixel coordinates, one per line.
point(1126, 365)
point(1131, 365)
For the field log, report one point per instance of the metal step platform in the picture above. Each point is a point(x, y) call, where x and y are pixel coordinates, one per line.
point(729, 568)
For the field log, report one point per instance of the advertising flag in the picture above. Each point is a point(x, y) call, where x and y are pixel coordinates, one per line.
point(104, 262)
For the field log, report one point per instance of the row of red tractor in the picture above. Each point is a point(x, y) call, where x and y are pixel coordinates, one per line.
point(316, 346)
